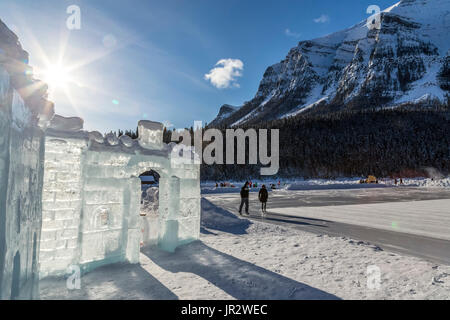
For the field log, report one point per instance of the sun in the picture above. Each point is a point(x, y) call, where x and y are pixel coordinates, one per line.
point(56, 76)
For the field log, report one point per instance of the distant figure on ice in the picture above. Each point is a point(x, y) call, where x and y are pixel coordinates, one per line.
point(244, 198)
point(263, 196)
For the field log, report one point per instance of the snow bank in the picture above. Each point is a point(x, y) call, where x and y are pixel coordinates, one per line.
point(208, 187)
point(212, 190)
point(428, 183)
point(216, 218)
point(331, 185)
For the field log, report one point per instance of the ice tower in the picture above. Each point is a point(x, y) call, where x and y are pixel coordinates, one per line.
point(24, 114)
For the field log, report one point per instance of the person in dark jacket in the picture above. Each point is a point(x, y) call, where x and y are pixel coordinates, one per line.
point(244, 198)
point(263, 196)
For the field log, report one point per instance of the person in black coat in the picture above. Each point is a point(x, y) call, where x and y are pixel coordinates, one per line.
point(263, 196)
point(244, 198)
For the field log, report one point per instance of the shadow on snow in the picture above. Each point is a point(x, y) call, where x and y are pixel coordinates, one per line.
point(240, 279)
point(120, 281)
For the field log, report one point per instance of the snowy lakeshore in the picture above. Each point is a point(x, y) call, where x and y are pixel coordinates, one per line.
point(244, 258)
point(315, 184)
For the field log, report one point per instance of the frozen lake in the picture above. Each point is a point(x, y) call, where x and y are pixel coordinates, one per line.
point(335, 197)
point(409, 220)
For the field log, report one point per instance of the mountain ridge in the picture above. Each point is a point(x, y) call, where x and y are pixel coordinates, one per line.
point(406, 60)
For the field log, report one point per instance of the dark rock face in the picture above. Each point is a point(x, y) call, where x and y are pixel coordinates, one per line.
point(444, 74)
point(404, 61)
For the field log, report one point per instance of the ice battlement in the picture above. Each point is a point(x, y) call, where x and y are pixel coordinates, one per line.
point(149, 141)
point(150, 134)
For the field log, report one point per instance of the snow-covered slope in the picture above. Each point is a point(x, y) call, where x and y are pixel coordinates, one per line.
point(225, 112)
point(406, 60)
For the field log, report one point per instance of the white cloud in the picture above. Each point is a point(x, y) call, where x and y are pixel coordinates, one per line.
point(289, 33)
point(225, 72)
point(322, 19)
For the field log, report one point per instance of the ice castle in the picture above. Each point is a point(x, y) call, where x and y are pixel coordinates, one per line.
point(69, 197)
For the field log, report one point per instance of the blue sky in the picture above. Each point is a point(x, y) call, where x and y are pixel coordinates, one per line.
point(140, 59)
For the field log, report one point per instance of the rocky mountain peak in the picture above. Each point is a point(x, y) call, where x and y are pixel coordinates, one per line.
point(405, 60)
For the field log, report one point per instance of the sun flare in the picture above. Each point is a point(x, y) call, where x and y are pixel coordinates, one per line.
point(67, 76)
point(56, 76)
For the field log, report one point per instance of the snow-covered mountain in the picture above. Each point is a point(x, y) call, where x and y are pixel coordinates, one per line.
point(225, 112)
point(405, 60)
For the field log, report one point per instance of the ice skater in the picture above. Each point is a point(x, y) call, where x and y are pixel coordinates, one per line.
point(263, 196)
point(244, 198)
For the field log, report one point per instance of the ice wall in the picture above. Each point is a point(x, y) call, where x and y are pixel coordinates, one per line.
point(61, 203)
point(21, 171)
point(92, 193)
point(24, 115)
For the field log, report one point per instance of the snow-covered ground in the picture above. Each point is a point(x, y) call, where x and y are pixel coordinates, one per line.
point(241, 259)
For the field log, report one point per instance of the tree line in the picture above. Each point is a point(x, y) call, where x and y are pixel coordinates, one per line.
point(404, 141)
